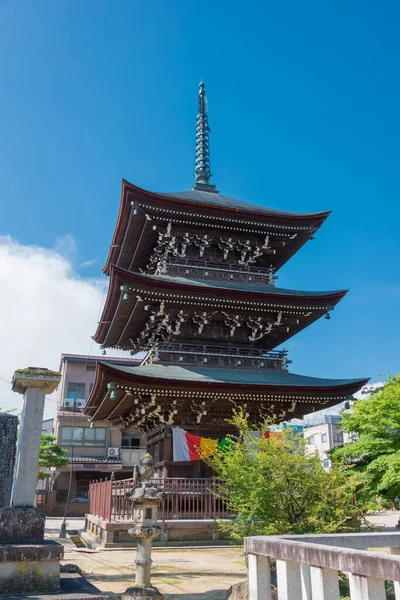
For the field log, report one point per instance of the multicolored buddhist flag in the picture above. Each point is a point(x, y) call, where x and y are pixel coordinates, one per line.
point(187, 446)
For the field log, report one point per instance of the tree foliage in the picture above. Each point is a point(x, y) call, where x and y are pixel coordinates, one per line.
point(50, 455)
point(374, 424)
point(274, 487)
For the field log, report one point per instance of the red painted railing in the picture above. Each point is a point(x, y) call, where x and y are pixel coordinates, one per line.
point(100, 495)
point(184, 499)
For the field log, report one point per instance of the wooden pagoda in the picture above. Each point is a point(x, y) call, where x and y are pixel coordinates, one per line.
point(192, 284)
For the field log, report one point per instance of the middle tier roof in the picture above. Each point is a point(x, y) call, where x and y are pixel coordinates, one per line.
point(143, 311)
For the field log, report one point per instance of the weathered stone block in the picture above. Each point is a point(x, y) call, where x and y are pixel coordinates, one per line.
point(21, 525)
point(143, 593)
point(8, 440)
point(30, 568)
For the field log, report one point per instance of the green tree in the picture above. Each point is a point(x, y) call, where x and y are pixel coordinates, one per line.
point(50, 455)
point(274, 487)
point(374, 424)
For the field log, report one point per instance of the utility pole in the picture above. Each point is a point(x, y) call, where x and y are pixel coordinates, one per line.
point(63, 528)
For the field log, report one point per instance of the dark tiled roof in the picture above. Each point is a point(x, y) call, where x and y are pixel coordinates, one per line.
point(90, 359)
point(217, 199)
point(236, 285)
point(229, 375)
point(95, 459)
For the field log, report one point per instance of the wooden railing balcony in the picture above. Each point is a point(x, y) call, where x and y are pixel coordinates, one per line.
point(307, 566)
point(184, 499)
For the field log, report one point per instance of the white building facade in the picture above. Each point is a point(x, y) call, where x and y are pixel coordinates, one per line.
point(323, 434)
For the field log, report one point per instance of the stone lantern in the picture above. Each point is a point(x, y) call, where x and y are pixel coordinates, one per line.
point(146, 499)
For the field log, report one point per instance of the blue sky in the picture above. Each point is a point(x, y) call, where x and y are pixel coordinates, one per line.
point(304, 112)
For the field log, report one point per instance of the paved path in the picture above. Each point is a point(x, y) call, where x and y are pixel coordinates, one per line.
point(192, 574)
point(387, 520)
point(177, 573)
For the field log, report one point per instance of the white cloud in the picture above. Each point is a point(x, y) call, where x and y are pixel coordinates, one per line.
point(89, 263)
point(45, 309)
point(66, 246)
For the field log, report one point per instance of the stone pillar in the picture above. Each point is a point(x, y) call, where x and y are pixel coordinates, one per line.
point(324, 583)
point(305, 582)
point(289, 580)
point(366, 588)
point(396, 584)
point(22, 523)
point(28, 564)
point(34, 384)
point(259, 577)
point(8, 441)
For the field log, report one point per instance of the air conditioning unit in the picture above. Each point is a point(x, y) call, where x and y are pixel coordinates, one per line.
point(79, 403)
point(113, 453)
point(67, 402)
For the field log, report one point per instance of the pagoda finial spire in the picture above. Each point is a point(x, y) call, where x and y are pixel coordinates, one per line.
point(202, 170)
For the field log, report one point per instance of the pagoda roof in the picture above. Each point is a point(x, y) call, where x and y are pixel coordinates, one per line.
point(210, 209)
point(242, 377)
point(118, 313)
point(216, 199)
point(217, 386)
point(243, 286)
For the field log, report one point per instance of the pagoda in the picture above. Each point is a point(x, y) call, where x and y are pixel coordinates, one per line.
point(192, 284)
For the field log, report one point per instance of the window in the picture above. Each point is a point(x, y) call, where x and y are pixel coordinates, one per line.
point(131, 442)
point(326, 463)
point(338, 438)
point(83, 436)
point(324, 437)
point(311, 440)
point(76, 390)
point(90, 368)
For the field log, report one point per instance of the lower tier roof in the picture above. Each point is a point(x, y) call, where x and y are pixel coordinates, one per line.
point(147, 396)
point(207, 375)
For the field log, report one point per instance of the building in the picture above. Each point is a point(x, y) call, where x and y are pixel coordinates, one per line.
point(193, 284)
point(99, 449)
point(323, 434)
point(47, 426)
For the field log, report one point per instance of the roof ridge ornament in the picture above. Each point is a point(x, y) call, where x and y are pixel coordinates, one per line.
point(202, 169)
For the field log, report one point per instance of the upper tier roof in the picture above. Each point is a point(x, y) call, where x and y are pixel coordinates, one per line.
point(209, 210)
point(217, 199)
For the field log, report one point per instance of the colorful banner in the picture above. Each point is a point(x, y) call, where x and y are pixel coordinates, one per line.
point(188, 447)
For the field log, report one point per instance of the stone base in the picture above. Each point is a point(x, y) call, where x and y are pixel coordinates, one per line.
point(174, 532)
point(142, 593)
point(72, 587)
point(20, 525)
point(30, 568)
point(240, 591)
